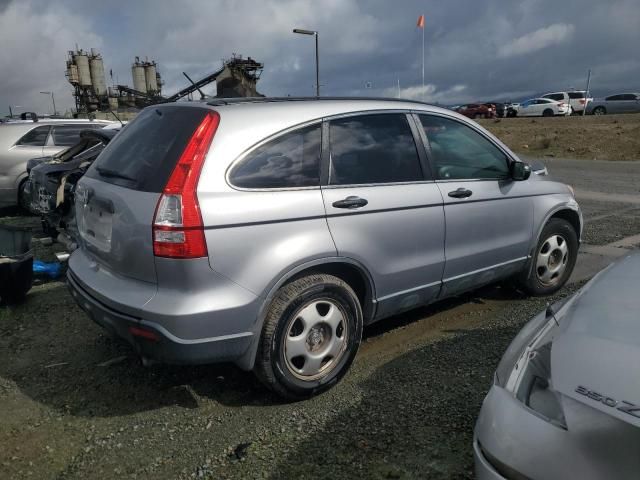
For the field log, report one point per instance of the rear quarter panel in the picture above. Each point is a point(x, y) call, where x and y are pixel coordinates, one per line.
point(255, 237)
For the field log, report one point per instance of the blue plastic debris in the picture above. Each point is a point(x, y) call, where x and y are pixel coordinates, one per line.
point(52, 269)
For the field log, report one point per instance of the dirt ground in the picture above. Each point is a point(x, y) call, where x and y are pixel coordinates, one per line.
point(606, 137)
point(76, 403)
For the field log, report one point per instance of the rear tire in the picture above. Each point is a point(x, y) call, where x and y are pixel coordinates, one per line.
point(23, 201)
point(599, 111)
point(547, 113)
point(310, 336)
point(553, 259)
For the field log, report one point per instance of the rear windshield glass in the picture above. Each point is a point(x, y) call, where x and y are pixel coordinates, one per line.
point(143, 155)
point(576, 94)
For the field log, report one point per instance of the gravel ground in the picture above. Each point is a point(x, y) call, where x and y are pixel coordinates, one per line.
point(406, 410)
point(75, 403)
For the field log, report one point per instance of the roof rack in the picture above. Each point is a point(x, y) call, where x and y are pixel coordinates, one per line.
point(238, 100)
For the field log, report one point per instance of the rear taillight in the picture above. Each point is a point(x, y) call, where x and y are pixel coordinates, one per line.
point(178, 231)
point(582, 101)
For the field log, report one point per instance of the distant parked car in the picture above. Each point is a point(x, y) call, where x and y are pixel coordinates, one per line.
point(541, 107)
point(620, 103)
point(235, 231)
point(565, 399)
point(499, 108)
point(477, 110)
point(20, 142)
point(576, 99)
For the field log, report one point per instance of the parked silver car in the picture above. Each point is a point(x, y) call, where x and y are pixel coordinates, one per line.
point(22, 141)
point(268, 232)
point(620, 103)
point(565, 402)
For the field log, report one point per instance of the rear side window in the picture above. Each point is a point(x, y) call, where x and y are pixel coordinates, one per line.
point(291, 160)
point(36, 137)
point(555, 96)
point(373, 149)
point(67, 135)
point(574, 95)
point(143, 155)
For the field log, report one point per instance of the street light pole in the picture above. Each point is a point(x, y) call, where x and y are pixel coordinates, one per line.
point(53, 100)
point(315, 34)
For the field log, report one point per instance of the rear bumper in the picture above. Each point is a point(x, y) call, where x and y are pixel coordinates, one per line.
point(192, 316)
point(483, 469)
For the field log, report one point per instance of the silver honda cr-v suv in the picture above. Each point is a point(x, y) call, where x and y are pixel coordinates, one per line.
point(268, 232)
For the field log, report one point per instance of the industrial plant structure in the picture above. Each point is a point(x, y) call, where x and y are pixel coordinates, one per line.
point(85, 71)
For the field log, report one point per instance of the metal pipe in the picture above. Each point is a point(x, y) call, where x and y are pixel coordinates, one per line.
point(314, 33)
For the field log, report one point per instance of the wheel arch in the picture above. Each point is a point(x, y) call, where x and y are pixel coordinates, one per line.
point(567, 212)
point(347, 269)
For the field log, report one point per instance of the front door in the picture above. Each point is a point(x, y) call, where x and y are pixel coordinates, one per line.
point(383, 209)
point(489, 217)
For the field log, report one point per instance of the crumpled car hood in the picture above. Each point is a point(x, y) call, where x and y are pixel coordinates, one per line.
point(595, 359)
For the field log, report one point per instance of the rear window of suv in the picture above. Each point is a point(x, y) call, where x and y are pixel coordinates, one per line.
point(575, 95)
point(143, 155)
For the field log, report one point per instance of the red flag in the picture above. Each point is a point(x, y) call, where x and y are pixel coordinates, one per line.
point(421, 21)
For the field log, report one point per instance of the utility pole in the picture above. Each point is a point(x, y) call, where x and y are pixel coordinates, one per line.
point(586, 94)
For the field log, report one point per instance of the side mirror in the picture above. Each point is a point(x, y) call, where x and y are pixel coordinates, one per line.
point(520, 171)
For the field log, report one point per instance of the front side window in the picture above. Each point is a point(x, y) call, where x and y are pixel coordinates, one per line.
point(376, 148)
point(459, 152)
point(291, 160)
point(36, 137)
point(614, 98)
point(67, 135)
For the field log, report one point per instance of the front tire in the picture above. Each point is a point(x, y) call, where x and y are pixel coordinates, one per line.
point(599, 111)
point(310, 336)
point(553, 259)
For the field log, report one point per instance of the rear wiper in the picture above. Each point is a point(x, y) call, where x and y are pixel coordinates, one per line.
point(105, 172)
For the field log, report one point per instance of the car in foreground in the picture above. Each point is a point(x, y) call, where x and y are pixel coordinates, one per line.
point(619, 103)
point(565, 402)
point(267, 232)
point(477, 110)
point(22, 141)
point(50, 188)
point(540, 107)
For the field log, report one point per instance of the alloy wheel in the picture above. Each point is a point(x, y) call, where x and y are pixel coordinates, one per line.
point(316, 339)
point(552, 259)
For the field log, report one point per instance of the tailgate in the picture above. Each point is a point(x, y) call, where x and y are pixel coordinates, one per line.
point(115, 227)
point(117, 197)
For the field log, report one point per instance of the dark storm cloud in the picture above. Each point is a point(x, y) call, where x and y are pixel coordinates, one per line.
point(475, 49)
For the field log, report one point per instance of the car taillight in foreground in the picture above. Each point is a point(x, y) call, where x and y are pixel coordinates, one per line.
point(178, 231)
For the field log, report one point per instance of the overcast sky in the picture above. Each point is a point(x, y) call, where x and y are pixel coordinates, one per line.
point(475, 49)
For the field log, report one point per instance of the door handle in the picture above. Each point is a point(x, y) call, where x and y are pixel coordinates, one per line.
point(460, 193)
point(350, 202)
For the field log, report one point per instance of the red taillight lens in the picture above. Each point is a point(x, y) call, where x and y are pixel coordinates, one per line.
point(178, 231)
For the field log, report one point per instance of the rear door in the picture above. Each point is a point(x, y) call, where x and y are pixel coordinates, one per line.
point(527, 109)
point(116, 199)
point(489, 217)
point(383, 208)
